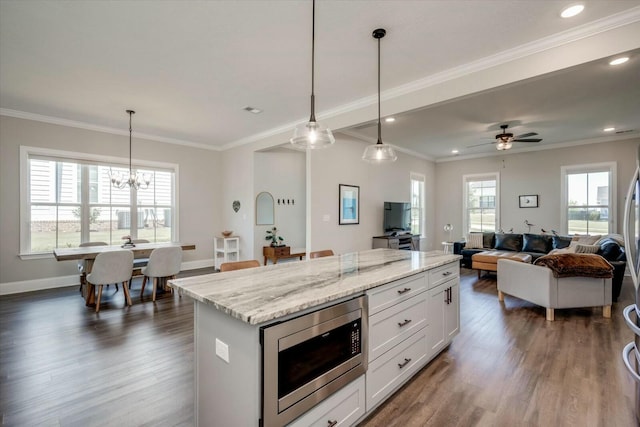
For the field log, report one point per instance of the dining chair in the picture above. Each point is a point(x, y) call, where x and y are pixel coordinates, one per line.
point(81, 262)
point(111, 267)
point(322, 253)
point(138, 263)
point(239, 265)
point(164, 263)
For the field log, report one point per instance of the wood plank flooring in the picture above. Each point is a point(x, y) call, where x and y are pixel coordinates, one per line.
point(63, 365)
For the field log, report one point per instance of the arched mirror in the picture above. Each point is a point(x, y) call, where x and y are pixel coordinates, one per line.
point(264, 209)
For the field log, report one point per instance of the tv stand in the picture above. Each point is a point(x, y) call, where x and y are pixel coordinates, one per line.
point(410, 242)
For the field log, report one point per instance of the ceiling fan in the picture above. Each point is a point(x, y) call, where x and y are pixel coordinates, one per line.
point(505, 140)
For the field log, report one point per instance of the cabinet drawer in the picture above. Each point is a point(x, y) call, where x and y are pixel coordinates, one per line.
point(343, 408)
point(389, 327)
point(392, 293)
point(443, 273)
point(392, 369)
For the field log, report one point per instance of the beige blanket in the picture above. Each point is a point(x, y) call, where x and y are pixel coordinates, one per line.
point(570, 265)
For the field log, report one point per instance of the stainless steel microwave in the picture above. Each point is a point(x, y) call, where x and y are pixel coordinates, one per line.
point(308, 358)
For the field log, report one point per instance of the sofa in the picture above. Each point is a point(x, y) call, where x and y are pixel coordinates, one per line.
point(538, 284)
point(538, 245)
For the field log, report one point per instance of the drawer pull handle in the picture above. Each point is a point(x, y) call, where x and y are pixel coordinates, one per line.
point(405, 363)
point(406, 322)
point(331, 423)
point(447, 273)
point(403, 291)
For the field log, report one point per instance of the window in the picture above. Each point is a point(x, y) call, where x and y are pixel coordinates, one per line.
point(68, 200)
point(588, 198)
point(481, 202)
point(417, 204)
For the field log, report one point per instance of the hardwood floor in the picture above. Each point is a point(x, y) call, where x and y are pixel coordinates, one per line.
point(63, 365)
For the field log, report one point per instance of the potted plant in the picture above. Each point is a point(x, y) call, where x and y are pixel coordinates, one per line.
point(273, 236)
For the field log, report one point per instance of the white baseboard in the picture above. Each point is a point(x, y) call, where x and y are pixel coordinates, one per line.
point(64, 281)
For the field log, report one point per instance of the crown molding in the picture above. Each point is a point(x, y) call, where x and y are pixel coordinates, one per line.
point(543, 147)
point(96, 128)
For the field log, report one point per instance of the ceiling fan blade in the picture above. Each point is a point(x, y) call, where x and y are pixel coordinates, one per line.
point(526, 135)
point(479, 145)
point(528, 140)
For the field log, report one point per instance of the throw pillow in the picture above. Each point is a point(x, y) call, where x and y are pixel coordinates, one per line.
point(586, 239)
point(587, 249)
point(474, 241)
point(560, 242)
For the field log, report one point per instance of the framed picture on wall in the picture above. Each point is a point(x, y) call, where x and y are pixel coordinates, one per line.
point(349, 204)
point(529, 201)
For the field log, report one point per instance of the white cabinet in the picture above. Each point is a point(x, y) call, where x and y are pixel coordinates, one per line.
point(397, 341)
point(343, 408)
point(443, 314)
point(225, 249)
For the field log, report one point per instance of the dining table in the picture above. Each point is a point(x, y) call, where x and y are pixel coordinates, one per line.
point(88, 254)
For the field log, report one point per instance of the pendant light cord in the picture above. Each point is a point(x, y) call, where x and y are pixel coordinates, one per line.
point(130, 130)
point(313, 49)
point(379, 123)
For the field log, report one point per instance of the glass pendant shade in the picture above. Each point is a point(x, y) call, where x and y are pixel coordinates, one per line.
point(312, 135)
point(379, 153)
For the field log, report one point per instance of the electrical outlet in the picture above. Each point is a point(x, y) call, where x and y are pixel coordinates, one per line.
point(222, 350)
point(326, 217)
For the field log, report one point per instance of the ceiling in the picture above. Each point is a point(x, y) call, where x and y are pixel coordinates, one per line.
point(189, 68)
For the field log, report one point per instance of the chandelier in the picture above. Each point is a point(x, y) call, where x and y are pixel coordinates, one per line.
point(379, 152)
point(312, 134)
point(120, 180)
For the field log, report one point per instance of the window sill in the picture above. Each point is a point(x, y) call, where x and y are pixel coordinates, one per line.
point(41, 255)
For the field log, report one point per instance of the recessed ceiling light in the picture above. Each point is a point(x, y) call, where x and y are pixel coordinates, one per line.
point(390, 119)
point(454, 151)
point(608, 129)
point(619, 61)
point(253, 110)
point(572, 11)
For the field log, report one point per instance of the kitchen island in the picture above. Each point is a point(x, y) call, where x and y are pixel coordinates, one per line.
point(417, 291)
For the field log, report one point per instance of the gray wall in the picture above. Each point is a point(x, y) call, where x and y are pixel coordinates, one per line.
point(198, 189)
point(535, 172)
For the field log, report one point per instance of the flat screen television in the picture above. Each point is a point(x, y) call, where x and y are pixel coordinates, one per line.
point(397, 217)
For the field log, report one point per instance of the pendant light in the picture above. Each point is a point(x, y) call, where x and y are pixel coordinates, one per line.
point(312, 134)
point(379, 152)
point(119, 180)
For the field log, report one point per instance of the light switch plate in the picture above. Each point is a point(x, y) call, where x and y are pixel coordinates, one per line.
point(222, 350)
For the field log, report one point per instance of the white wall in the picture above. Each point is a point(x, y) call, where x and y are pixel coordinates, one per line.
point(342, 164)
point(535, 172)
point(282, 173)
point(198, 190)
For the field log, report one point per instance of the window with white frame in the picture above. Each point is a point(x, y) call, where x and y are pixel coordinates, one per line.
point(67, 200)
point(417, 204)
point(481, 202)
point(588, 198)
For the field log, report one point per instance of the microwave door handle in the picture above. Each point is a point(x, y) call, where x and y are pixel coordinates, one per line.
point(630, 240)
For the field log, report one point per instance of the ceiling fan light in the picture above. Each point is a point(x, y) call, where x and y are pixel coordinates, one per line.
point(379, 153)
point(312, 135)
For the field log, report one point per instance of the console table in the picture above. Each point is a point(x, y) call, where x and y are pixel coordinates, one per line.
point(409, 242)
point(274, 253)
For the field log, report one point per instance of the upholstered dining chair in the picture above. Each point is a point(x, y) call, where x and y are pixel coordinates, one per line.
point(164, 263)
point(81, 262)
point(322, 253)
point(239, 265)
point(111, 267)
point(138, 263)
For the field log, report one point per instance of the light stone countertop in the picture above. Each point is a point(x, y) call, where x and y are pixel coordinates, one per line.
point(261, 294)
